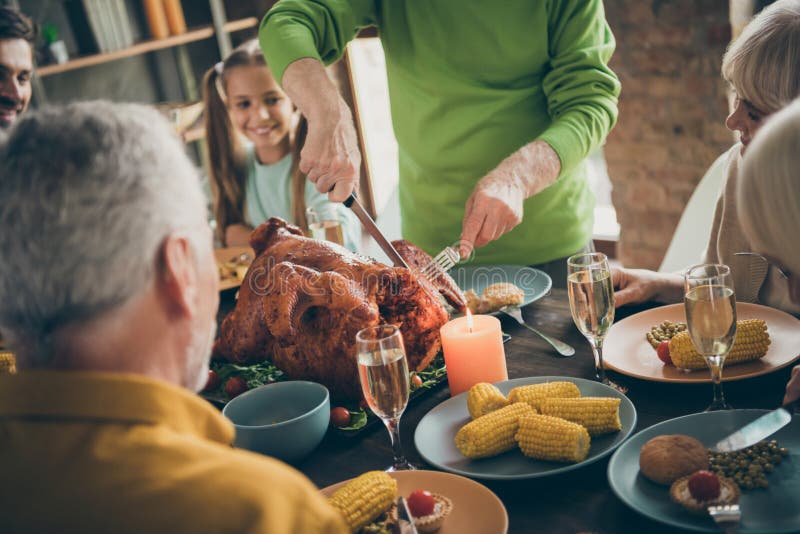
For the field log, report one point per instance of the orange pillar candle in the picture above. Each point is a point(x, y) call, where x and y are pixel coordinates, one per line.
point(473, 352)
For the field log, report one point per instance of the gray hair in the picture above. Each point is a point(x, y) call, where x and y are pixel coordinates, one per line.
point(768, 192)
point(89, 193)
point(763, 63)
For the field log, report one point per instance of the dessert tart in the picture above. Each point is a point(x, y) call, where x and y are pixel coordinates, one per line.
point(434, 521)
point(698, 497)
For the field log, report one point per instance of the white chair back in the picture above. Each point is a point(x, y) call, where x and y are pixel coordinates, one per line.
point(691, 235)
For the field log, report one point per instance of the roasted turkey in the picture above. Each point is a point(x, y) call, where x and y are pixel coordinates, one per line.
point(303, 301)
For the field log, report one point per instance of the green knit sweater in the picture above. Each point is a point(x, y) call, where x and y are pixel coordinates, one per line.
point(470, 82)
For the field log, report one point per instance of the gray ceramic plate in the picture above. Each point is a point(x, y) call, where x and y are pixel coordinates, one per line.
point(533, 282)
point(435, 432)
point(774, 510)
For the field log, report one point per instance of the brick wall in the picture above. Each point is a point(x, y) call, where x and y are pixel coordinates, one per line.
point(672, 108)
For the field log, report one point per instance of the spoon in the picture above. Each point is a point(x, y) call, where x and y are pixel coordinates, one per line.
point(562, 348)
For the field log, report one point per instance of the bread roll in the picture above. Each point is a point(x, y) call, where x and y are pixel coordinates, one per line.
point(664, 459)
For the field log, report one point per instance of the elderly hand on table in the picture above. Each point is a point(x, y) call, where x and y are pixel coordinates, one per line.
point(634, 286)
point(495, 205)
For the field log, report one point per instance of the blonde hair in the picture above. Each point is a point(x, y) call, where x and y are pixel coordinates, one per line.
point(763, 63)
point(226, 158)
point(768, 192)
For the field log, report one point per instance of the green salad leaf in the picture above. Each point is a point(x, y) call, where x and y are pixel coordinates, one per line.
point(265, 372)
point(255, 375)
point(358, 419)
point(432, 374)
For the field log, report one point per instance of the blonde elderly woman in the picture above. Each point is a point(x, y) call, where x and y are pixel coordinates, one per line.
point(763, 68)
point(767, 194)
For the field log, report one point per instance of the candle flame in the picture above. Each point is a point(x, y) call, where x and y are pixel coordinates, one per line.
point(470, 322)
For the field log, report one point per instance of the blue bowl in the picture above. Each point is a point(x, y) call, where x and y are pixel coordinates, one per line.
point(286, 420)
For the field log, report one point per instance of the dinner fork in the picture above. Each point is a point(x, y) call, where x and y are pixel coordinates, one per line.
point(407, 525)
point(726, 516)
point(442, 262)
point(562, 348)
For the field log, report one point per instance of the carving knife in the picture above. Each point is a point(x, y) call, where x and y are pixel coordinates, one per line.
point(372, 229)
point(755, 431)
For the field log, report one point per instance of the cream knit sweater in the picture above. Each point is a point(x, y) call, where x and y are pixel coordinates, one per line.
point(754, 279)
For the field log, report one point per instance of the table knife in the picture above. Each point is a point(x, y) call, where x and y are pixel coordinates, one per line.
point(755, 431)
point(372, 229)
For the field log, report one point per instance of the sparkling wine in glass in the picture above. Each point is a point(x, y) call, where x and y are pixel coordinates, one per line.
point(383, 372)
point(324, 224)
point(591, 301)
point(711, 320)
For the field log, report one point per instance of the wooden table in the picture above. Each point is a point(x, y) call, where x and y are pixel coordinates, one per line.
point(577, 501)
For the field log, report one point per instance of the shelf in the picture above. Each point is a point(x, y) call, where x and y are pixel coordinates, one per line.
point(146, 46)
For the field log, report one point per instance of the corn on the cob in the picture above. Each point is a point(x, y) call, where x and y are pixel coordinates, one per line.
point(599, 415)
point(364, 498)
point(8, 363)
point(536, 393)
point(751, 343)
point(551, 438)
point(484, 398)
point(493, 433)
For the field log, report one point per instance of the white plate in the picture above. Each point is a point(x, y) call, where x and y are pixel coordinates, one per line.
point(436, 431)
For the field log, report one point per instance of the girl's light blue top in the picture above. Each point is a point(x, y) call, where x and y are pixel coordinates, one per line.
point(268, 193)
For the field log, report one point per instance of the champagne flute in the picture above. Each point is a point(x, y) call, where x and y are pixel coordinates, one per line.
point(591, 301)
point(383, 372)
point(324, 224)
point(711, 319)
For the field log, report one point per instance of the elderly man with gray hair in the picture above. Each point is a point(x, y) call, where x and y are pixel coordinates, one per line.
point(108, 296)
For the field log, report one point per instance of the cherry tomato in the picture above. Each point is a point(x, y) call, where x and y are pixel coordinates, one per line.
point(236, 386)
point(663, 352)
point(416, 382)
point(421, 503)
point(363, 404)
point(340, 416)
point(704, 485)
point(213, 381)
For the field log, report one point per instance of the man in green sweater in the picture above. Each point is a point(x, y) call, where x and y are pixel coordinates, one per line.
point(494, 106)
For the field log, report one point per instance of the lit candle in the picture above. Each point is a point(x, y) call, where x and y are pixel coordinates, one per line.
point(473, 352)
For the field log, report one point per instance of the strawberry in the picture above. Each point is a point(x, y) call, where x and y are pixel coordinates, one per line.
point(704, 485)
point(663, 352)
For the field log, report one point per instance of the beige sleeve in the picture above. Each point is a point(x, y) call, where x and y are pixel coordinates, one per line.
point(711, 254)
